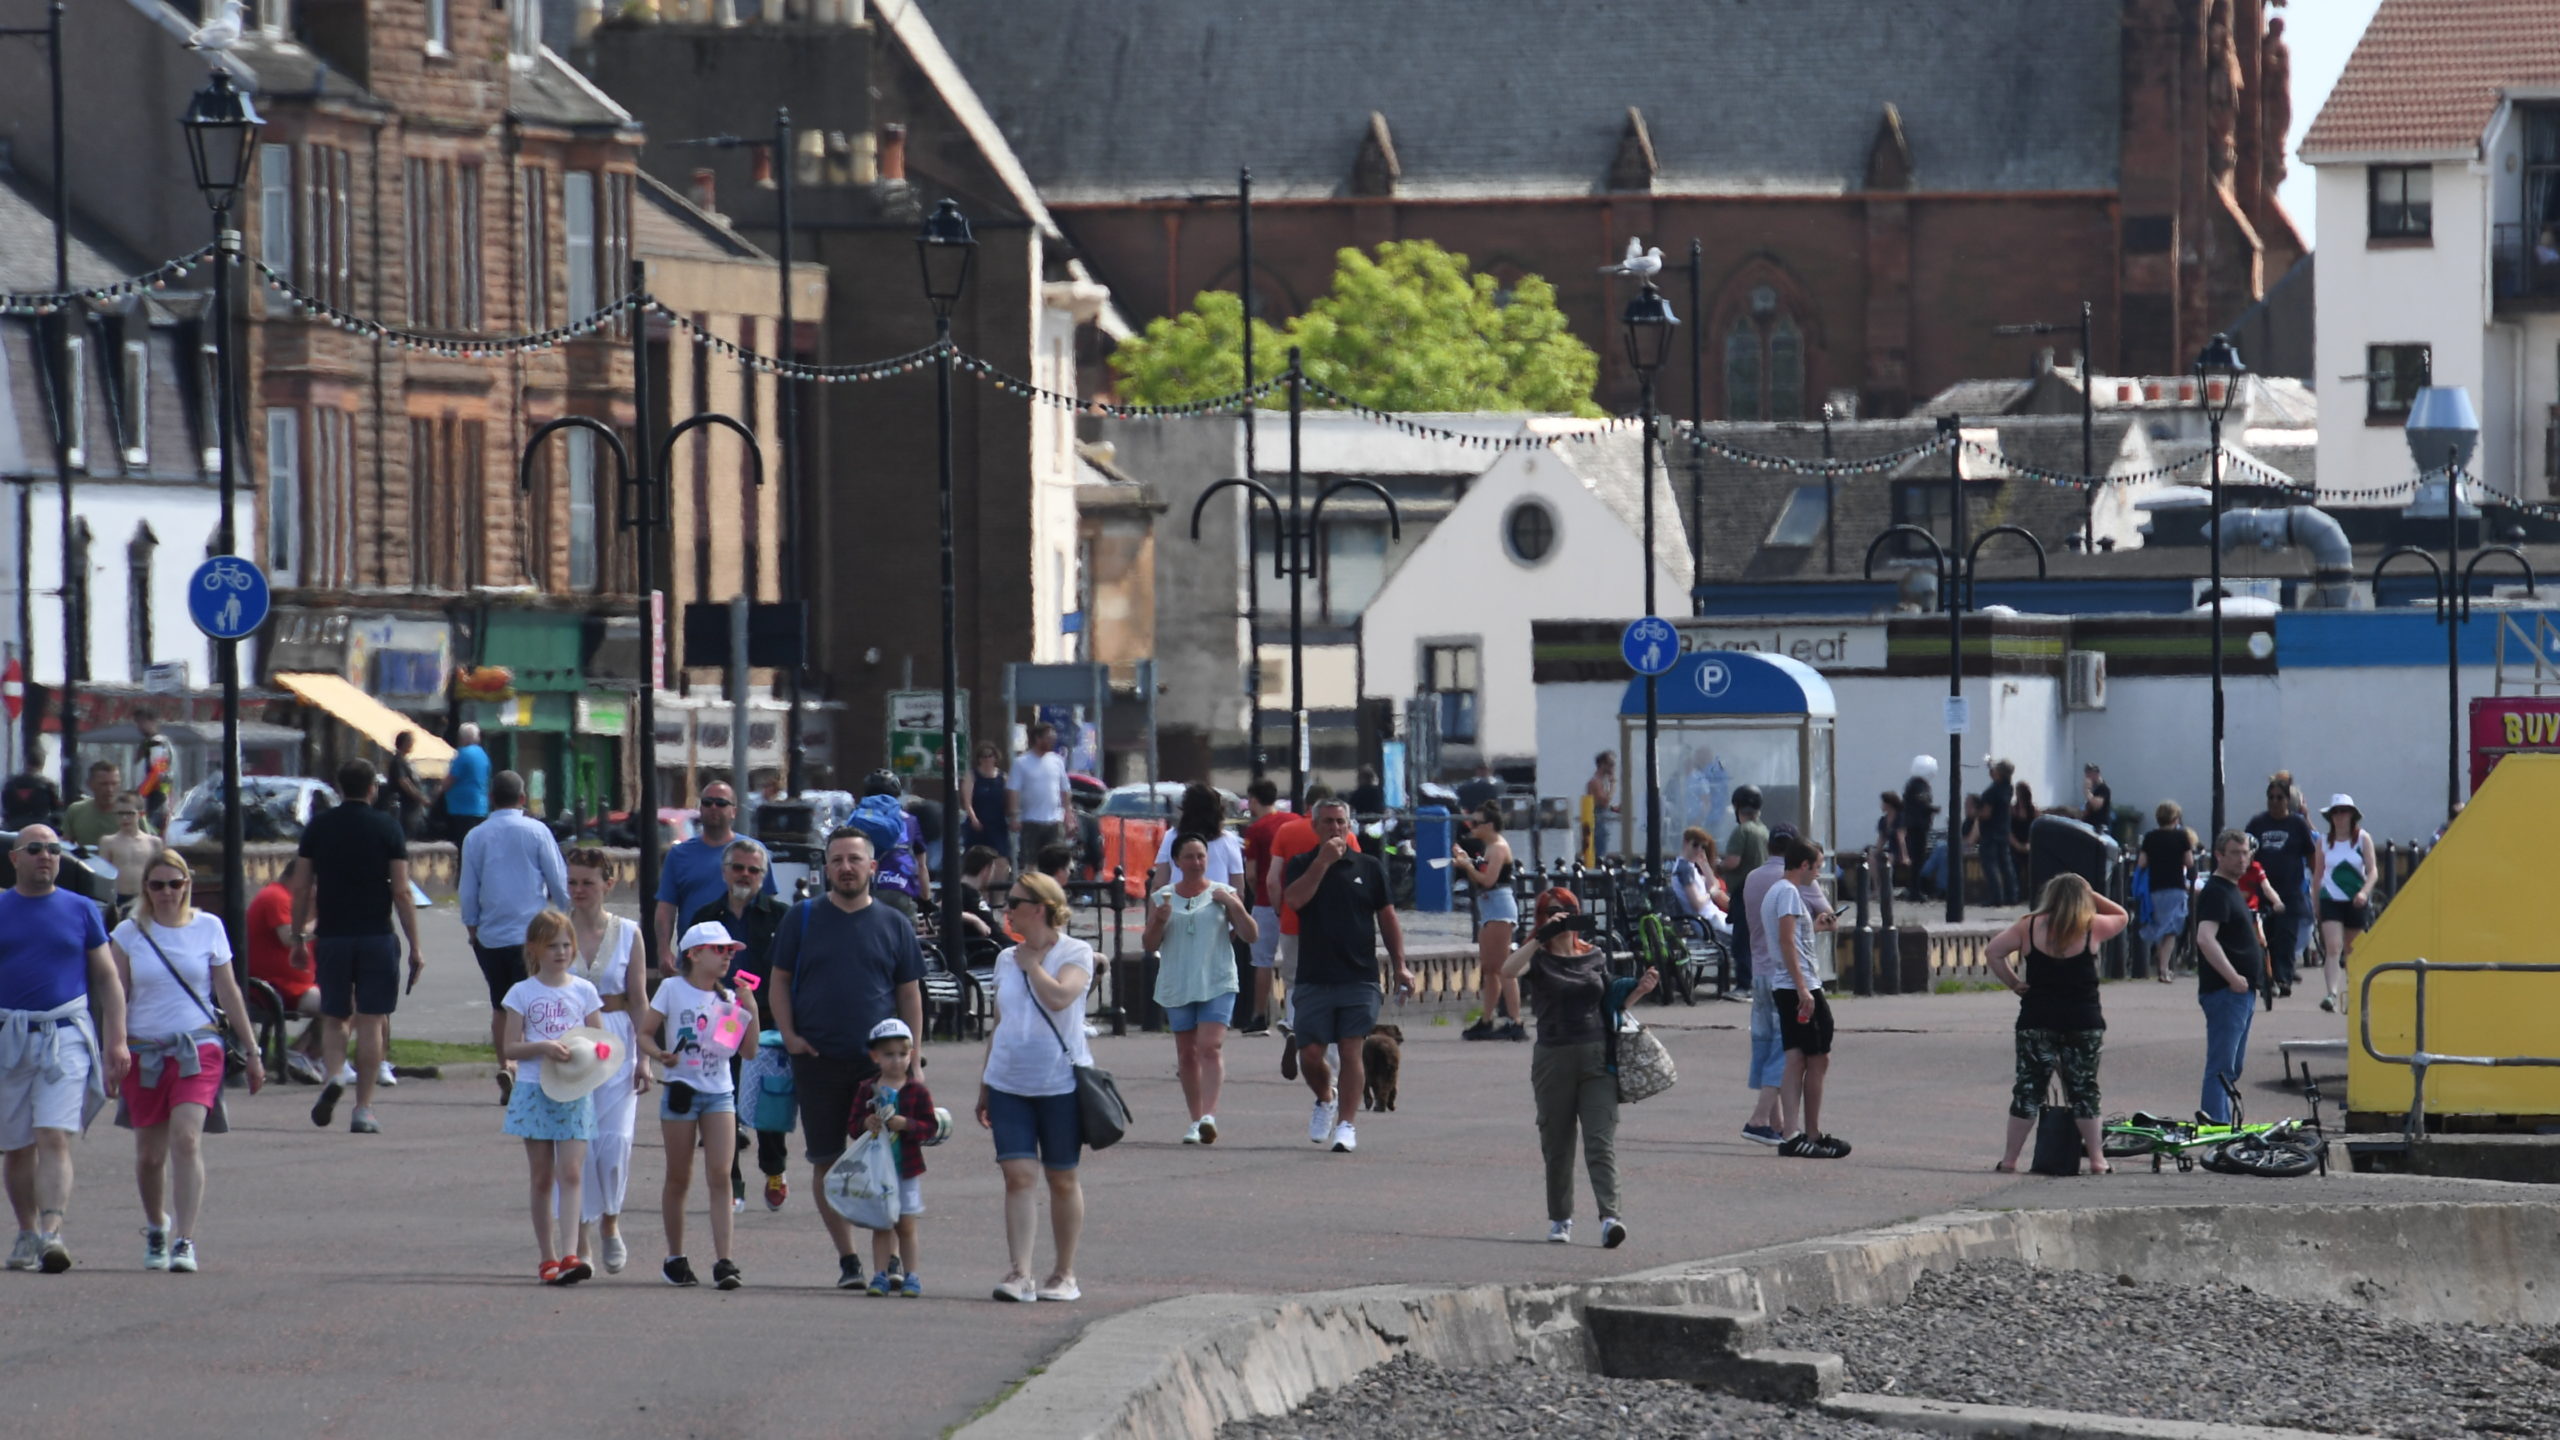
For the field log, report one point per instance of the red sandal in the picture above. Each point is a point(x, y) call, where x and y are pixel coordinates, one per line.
point(573, 1270)
point(549, 1274)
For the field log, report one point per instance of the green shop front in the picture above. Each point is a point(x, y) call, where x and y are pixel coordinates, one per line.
point(565, 720)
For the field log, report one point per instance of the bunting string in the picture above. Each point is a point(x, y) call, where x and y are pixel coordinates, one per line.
point(158, 277)
point(447, 346)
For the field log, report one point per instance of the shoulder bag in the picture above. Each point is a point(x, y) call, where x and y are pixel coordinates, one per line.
point(217, 1121)
point(1638, 1058)
point(1101, 1115)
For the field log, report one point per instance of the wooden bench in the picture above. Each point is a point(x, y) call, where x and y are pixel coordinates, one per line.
point(2308, 1049)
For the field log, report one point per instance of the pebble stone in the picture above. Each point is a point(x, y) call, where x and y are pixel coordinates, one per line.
point(2003, 1333)
point(1407, 1399)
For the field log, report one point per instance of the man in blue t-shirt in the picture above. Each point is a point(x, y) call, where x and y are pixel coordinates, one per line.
point(841, 965)
point(690, 877)
point(466, 786)
point(53, 1064)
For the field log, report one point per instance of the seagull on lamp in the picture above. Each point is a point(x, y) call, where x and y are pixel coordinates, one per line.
point(1640, 264)
point(223, 33)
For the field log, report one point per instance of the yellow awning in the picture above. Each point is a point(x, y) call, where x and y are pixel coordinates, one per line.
point(372, 719)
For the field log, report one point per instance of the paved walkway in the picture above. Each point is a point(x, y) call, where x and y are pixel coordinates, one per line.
point(383, 1286)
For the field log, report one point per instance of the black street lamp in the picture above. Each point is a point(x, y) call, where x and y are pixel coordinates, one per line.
point(945, 252)
point(1649, 324)
point(222, 134)
point(2218, 376)
point(2088, 415)
point(75, 589)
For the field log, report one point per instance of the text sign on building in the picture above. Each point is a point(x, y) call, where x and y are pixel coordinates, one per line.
point(1822, 647)
point(2511, 725)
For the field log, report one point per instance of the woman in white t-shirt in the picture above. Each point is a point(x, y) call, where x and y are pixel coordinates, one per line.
point(541, 1011)
point(605, 950)
point(1203, 813)
point(176, 966)
point(1028, 1093)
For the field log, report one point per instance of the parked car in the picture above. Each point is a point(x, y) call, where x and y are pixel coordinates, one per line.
point(1161, 800)
point(1086, 791)
point(273, 807)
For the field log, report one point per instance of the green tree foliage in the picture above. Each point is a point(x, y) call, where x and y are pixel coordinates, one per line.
point(1412, 329)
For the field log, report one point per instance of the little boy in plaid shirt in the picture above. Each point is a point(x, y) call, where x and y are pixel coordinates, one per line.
point(899, 1103)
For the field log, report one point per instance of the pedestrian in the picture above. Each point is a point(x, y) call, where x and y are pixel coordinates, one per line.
point(1263, 821)
point(57, 1063)
point(349, 877)
point(128, 848)
point(1888, 841)
point(752, 917)
point(984, 872)
point(1295, 836)
point(1344, 905)
point(698, 1102)
point(1602, 790)
point(175, 964)
point(1747, 848)
point(91, 820)
point(1977, 826)
point(1368, 797)
point(842, 963)
point(1497, 918)
point(399, 795)
point(544, 1012)
point(2168, 858)
point(902, 879)
point(29, 799)
point(2022, 825)
point(1994, 840)
point(1484, 786)
point(2347, 868)
point(1919, 816)
point(2097, 801)
point(158, 762)
point(510, 871)
point(1038, 800)
point(1027, 1089)
point(1202, 812)
point(1773, 1107)
point(605, 952)
point(2231, 967)
point(1804, 1015)
point(2061, 1026)
point(280, 955)
point(986, 803)
point(466, 785)
point(896, 1102)
point(1696, 889)
point(1570, 1076)
point(691, 874)
point(1189, 926)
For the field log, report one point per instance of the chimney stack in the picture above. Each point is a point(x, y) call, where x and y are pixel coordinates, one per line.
point(706, 192)
point(893, 152)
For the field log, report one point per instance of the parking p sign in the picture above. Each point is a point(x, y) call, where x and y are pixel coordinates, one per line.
point(1651, 646)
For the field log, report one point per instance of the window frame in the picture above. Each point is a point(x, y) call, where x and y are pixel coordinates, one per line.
point(137, 404)
point(2415, 220)
point(439, 27)
point(2379, 407)
point(1511, 547)
point(283, 495)
point(1815, 497)
point(276, 235)
point(578, 248)
point(580, 456)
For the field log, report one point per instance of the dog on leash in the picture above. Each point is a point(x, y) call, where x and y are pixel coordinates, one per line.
point(1381, 1058)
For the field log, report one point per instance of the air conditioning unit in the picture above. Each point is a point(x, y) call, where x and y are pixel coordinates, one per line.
point(2087, 680)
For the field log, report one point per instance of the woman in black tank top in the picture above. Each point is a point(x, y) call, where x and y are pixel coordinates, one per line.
point(2060, 1025)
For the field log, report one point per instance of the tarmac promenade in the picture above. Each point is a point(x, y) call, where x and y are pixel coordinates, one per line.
point(383, 1286)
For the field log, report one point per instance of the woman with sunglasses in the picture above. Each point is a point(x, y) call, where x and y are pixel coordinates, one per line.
point(1027, 1096)
point(176, 967)
point(1497, 916)
point(1569, 1074)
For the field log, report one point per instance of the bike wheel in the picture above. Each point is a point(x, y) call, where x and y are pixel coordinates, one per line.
point(2124, 1144)
point(2281, 1160)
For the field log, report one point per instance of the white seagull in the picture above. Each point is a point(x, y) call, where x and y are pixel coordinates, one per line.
point(1641, 264)
point(223, 33)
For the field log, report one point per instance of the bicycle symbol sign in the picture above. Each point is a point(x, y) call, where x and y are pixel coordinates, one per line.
point(227, 597)
point(1650, 646)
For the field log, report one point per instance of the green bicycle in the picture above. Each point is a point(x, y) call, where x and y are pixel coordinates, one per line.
point(2279, 1149)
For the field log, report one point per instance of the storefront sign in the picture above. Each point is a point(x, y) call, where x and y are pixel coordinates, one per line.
point(1823, 647)
point(604, 713)
point(2511, 725)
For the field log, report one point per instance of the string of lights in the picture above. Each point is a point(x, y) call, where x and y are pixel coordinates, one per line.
point(446, 346)
point(1871, 465)
point(158, 277)
point(1424, 431)
point(1011, 384)
point(762, 363)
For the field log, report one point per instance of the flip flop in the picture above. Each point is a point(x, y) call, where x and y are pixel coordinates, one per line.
point(2004, 1169)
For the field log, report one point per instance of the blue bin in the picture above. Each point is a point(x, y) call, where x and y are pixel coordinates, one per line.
point(1432, 882)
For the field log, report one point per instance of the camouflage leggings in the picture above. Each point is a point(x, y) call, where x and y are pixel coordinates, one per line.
point(2072, 1052)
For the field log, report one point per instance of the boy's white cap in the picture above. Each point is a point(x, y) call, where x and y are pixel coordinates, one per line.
point(709, 932)
point(891, 1029)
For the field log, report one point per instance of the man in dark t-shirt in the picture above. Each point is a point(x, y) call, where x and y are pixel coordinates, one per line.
point(2285, 848)
point(2230, 967)
point(1999, 861)
point(2098, 805)
point(350, 875)
point(1343, 904)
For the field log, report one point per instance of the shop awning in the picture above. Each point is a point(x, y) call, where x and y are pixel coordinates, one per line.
point(370, 718)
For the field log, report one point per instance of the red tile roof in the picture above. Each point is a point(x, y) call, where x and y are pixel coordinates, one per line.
point(2427, 74)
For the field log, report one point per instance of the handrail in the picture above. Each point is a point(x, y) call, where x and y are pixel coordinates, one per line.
point(2419, 1057)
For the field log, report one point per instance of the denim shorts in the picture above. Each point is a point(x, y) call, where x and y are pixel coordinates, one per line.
point(704, 1103)
point(1768, 1043)
point(1044, 1127)
point(1266, 937)
point(1220, 1010)
point(1499, 905)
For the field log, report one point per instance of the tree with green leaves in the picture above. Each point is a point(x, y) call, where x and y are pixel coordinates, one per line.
point(1414, 328)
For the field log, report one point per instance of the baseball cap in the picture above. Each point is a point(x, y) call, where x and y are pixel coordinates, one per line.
point(891, 1029)
point(709, 932)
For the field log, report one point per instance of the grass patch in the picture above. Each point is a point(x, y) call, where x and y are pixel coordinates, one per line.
point(439, 1052)
point(1953, 986)
point(999, 1398)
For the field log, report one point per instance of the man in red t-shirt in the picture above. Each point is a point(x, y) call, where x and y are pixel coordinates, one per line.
point(1288, 842)
point(282, 958)
point(1263, 823)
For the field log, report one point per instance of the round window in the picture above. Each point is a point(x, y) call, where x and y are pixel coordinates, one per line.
point(1529, 532)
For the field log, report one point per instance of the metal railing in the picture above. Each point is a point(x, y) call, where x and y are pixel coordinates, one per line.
point(2420, 1059)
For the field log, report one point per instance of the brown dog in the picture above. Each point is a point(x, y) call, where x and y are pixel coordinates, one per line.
point(1381, 1058)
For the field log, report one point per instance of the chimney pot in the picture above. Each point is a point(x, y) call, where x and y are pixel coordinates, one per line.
point(706, 191)
point(764, 167)
point(893, 152)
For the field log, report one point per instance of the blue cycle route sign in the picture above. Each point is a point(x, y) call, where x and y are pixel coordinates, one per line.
point(1651, 646)
point(227, 597)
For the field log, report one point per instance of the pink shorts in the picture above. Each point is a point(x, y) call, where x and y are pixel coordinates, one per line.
point(149, 1105)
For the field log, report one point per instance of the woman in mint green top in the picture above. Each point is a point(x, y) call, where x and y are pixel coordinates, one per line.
point(1188, 923)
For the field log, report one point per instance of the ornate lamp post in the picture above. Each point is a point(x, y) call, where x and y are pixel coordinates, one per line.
point(1649, 324)
point(2218, 376)
point(945, 252)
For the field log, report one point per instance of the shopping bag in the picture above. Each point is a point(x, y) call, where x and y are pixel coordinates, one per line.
point(766, 1089)
point(862, 1186)
point(2058, 1147)
point(1644, 1064)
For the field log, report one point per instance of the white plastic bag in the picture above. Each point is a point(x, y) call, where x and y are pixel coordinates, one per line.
point(862, 1186)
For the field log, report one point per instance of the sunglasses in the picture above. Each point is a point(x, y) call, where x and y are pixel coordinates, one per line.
point(169, 884)
point(40, 847)
point(1012, 900)
point(746, 869)
point(713, 802)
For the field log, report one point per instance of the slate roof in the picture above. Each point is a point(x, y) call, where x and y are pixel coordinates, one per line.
point(668, 224)
point(1612, 467)
point(1110, 100)
point(2427, 76)
point(26, 242)
point(549, 92)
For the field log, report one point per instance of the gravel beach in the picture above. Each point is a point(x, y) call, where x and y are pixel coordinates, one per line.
point(1409, 1400)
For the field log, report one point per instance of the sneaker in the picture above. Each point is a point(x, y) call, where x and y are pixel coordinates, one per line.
point(882, 1283)
point(1796, 1146)
point(384, 1076)
point(738, 1206)
point(53, 1257)
point(776, 1190)
point(1481, 1030)
point(346, 1073)
point(909, 1287)
point(1345, 1138)
point(1192, 1135)
point(2329, 1003)
point(327, 1105)
point(848, 1272)
point(1832, 1147)
point(22, 1256)
point(1513, 1030)
point(1763, 1135)
point(506, 1088)
point(573, 1270)
point(725, 1276)
point(1061, 1290)
point(302, 1067)
point(1320, 1120)
point(1288, 1053)
point(1815, 1147)
point(1612, 1234)
point(616, 1254)
point(1017, 1289)
point(182, 1257)
point(1559, 1232)
point(1208, 1129)
point(155, 1249)
point(362, 1122)
point(678, 1271)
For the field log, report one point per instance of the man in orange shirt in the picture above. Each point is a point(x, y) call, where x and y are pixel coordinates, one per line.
point(1290, 841)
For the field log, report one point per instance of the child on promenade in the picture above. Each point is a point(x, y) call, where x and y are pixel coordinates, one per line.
point(543, 1012)
point(898, 1102)
point(696, 1100)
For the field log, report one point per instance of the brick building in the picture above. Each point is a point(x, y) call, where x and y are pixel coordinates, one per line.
point(1876, 186)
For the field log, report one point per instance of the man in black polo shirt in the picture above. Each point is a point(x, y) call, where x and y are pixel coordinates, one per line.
point(356, 858)
point(2232, 968)
point(1343, 903)
point(751, 917)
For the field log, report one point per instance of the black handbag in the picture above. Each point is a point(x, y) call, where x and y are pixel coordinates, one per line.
point(2058, 1147)
point(1102, 1117)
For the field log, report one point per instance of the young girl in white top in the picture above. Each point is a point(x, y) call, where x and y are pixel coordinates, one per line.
point(605, 954)
point(697, 1103)
point(540, 1011)
point(176, 965)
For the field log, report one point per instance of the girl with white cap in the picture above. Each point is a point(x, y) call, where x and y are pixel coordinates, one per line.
point(550, 1020)
point(2347, 868)
point(691, 1027)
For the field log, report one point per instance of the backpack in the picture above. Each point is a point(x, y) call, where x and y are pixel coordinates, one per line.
point(884, 821)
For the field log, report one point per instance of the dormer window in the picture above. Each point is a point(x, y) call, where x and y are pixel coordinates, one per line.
point(524, 31)
point(439, 27)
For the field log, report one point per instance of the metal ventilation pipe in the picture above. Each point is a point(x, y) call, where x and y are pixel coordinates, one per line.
point(2315, 530)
